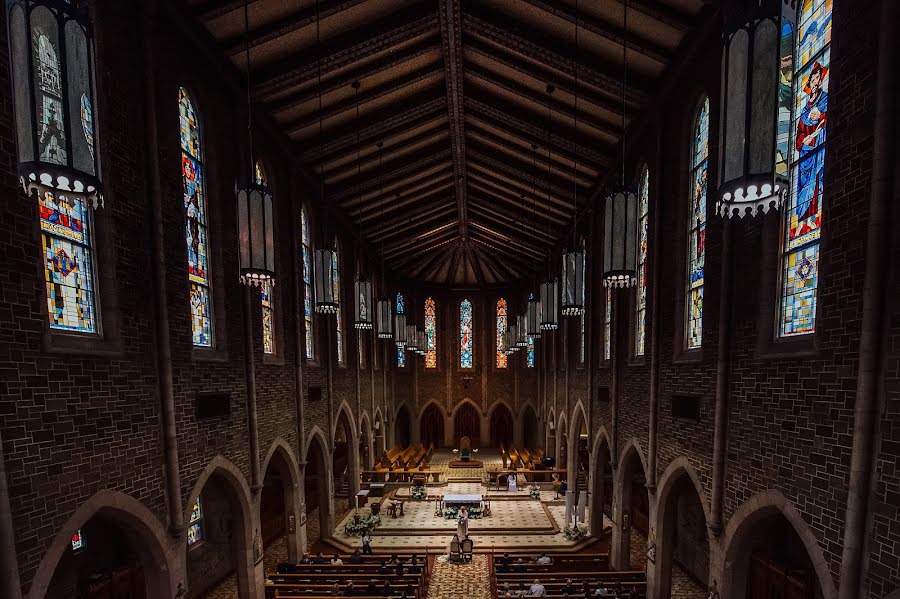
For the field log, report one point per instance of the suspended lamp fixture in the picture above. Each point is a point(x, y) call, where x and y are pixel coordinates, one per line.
point(362, 287)
point(620, 225)
point(420, 344)
point(756, 114)
point(521, 330)
point(512, 336)
point(325, 259)
point(550, 287)
point(400, 336)
point(412, 338)
point(573, 293)
point(385, 319)
point(52, 46)
point(533, 313)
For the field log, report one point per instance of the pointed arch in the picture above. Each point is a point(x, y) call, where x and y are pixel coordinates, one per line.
point(631, 499)
point(317, 483)
point(577, 455)
point(696, 230)
point(467, 422)
point(280, 446)
point(403, 425)
point(751, 513)
point(501, 423)
point(432, 428)
point(157, 551)
point(315, 434)
point(600, 483)
point(279, 498)
point(531, 435)
point(344, 408)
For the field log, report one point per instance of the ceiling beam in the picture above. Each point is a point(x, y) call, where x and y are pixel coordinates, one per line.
point(451, 42)
point(411, 226)
point(212, 9)
point(511, 120)
point(526, 263)
point(345, 78)
point(399, 170)
point(476, 265)
point(403, 262)
point(501, 271)
point(411, 246)
point(504, 227)
point(514, 188)
point(454, 264)
point(419, 193)
point(534, 45)
point(371, 160)
point(345, 50)
point(663, 13)
point(350, 103)
point(644, 46)
point(542, 99)
point(384, 227)
point(524, 225)
point(420, 263)
point(522, 170)
point(400, 117)
point(511, 242)
point(286, 25)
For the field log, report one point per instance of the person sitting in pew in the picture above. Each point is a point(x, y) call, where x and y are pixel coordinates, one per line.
point(544, 560)
point(318, 559)
point(383, 569)
point(601, 589)
point(520, 567)
point(400, 570)
point(393, 559)
point(356, 558)
point(537, 589)
point(386, 590)
point(349, 590)
point(336, 560)
point(336, 589)
point(408, 592)
point(586, 590)
point(505, 560)
point(414, 565)
point(569, 588)
point(372, 589)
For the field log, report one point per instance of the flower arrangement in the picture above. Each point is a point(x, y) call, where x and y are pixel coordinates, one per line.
point(575, 532)
point(360, 524)
point(535, 491)
point(419, 492)
point(451, 513)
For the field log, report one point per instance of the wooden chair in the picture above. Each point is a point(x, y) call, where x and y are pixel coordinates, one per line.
point(466, 549)
point(455, 553)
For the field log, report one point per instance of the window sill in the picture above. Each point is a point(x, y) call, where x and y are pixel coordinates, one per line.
point(638, 361)
point(85, 345)
point(688, 356)
point(273, 359)
point(786, 349)
point(200, 354)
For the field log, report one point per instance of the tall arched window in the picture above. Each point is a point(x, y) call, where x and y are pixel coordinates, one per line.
point(697, 229)
point(501, 330)
point(401, 309)
point(306, 250)
point(338, 321)
point(465, 334)
point(196, 234)
point(529, 355)
point(266, 287)
point(430, 334)
point(640, 325)
point(803, 223)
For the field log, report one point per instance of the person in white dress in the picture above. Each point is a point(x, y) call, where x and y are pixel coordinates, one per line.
point(462, 523)
point(511, 483)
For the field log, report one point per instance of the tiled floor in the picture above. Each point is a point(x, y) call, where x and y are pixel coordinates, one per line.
point(461, 581)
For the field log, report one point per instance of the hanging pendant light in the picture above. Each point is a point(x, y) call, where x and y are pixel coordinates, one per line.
point(550, 287)
point(256, 236)
point(521, 330)
point(759, 39)
point(400, 337)
point(385, 316)
point(573, 288)
point(421, 343)
point(620, 227)
point(362, 287)
point(513, 339)
point(412, 338)
point(52, 47)
point(326, 297)
point(534, 317)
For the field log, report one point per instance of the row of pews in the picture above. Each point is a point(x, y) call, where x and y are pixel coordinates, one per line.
point(397, 463)
point(366, 580)
point(524, 459)
point(515, 572)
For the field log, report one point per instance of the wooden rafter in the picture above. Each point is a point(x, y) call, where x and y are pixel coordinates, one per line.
point(451, 41)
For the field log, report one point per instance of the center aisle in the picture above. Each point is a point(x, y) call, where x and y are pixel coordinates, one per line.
point(455, 581)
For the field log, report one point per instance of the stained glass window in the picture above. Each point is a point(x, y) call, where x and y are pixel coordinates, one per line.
point(195, 526)
point(336, 289)
point(697, 228)
point(640, 327)
point(266, 288)
point(582, 346)
point(401, 309)
point(430, 334)
point(307, 256)
point(607, 326)
point(529, 354)
point(501, 330)
point(196, 234)
point(77, 540)
point(803, 223)
point(67, 236)
point(465, 334)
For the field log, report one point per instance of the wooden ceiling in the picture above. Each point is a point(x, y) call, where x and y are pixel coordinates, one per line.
point(451, 157)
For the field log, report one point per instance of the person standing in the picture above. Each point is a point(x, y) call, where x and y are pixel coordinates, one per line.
point(462, 529)
point(367, 543)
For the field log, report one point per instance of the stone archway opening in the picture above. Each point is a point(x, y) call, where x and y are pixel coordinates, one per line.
point(276, 508)
point(467, 423)
point(633, 519)
point(102, 560)
point(682, 544)
point(432, 426)
point(316, 494)
point(366, 446)
point(217, 544)
point(531, 435)
point(402, 428)
point(501, 426)
point(342, 458)
point(769, 559)
point(601, 489)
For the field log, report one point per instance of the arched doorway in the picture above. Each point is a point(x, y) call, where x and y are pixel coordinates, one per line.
point(579, 458)
point(682, 542)
point(501, 426)
point(432, 426)
point(530, 429)
point(632, 519)
point(771, 552)
point(344, 460)
point(601, 487)
point(276, 508)
point(219, 537)
point(402, 428)
point(112, 537)
point(366, 445)
point(467, 423)
point(316, 491)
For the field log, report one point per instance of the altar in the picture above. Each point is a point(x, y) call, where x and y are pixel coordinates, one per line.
point(460, 500)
